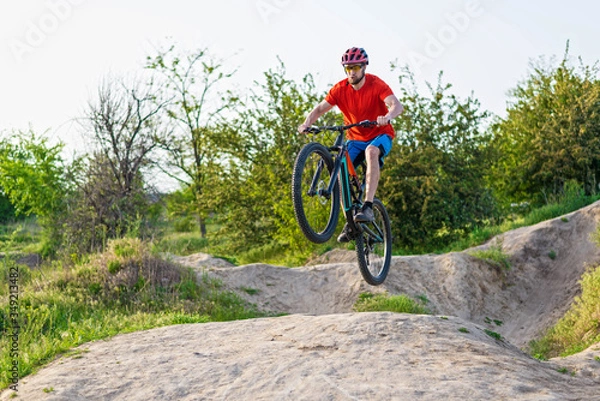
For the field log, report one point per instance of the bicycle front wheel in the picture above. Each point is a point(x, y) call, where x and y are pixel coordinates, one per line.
point(374, 246)
point(316, 211)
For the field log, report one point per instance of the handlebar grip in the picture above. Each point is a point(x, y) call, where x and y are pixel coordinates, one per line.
point(367, 123)
point(312, 130)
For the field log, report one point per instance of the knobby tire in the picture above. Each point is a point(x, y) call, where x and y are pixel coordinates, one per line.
point(317, 215)
point(375, 256)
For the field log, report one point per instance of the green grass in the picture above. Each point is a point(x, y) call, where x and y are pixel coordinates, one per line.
point(182, 244)
point(493, 255)
point(368, 302)
point(60, 307)
point(20, 237)
point(580, 326)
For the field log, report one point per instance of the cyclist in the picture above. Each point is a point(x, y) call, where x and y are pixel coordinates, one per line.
point(360, 97)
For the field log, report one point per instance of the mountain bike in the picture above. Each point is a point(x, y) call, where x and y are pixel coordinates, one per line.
point(318, 172)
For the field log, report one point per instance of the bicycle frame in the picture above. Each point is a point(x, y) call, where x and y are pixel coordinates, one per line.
point(346, 173)
point(344, 169)
point(333, 183)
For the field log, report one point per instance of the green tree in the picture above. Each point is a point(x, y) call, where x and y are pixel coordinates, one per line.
point(7, 210)
point(433, 182)
point(33, 176)
point(551, 134)
point(202, 138)
point(256, 188)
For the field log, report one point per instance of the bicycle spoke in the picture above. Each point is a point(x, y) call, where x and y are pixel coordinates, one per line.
point(374, 246)
point(316, 211)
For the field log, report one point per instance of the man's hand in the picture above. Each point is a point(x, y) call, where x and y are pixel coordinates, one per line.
point(382, 120)
point(302, 128)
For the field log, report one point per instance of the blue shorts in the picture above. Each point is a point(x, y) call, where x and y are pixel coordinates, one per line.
point(356, 149)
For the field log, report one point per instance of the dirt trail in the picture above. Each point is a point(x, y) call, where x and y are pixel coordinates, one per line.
point(547, 261)
point(322, 351)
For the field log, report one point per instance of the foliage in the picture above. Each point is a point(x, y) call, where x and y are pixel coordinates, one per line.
point(202, 138)
point(32, 175)
point(551, 134)
point(572, 199)
point(124, 289)
point(368, 302)
point(433, 182)
point(580, 327)
point(256, 189)
point(7, 210)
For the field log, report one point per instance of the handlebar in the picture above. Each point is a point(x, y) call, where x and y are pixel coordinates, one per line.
point(340, 128)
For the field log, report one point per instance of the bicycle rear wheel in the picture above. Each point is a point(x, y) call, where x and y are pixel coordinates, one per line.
point(374, 246)
point(316, 212)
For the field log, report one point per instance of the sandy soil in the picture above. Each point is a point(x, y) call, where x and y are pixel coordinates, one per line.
point(323, 351)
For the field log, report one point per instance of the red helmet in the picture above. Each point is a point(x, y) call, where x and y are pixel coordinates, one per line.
point(355, 55)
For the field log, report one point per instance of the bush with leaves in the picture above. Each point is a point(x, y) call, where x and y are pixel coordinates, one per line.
point(551, 134)
point(33, 177)
point(7, 210)
point(256, 188)
point(433, 181)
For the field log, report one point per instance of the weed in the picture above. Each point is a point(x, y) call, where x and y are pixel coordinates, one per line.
point(464, 330)
point(250, 291)
point(423, 298)
point(552, 255)
point(579, 328)
point(368, 302)
point(183, 244)
point(493, 334)
point(114, 266)
point(493, 255)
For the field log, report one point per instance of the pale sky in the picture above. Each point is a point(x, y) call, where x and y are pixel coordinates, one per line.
point(55, 52)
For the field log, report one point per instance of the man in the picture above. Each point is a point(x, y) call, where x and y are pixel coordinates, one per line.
point(360, 97)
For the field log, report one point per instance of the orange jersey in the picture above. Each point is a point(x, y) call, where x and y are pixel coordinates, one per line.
point(367, 103)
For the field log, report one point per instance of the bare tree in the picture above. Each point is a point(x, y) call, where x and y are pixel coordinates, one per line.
point(124, 122)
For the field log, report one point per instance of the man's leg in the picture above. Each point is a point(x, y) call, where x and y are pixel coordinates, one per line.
point(372, 177)
point(373, 173)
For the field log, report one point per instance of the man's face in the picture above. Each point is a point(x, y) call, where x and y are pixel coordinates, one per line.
point(355, 73)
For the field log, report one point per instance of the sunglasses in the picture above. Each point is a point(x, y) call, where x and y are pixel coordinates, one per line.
point(355, 68)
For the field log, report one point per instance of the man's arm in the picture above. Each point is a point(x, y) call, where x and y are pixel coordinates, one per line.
point(314, 115)
point(395, 108)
